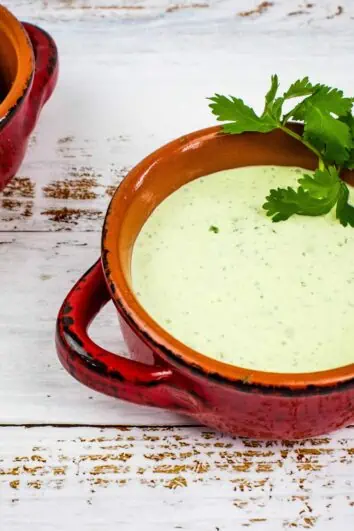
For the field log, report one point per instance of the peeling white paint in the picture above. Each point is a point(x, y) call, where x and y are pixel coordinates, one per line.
point(139, 477)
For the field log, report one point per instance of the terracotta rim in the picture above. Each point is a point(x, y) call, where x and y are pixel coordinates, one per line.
point(25, 66)
point(130, 308)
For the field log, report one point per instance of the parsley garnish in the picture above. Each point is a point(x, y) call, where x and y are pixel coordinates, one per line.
point(328, 132)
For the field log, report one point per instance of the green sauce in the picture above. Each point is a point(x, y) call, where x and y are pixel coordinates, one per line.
point(218, 275)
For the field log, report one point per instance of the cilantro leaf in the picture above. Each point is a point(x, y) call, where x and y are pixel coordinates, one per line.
point(282, 203)
point(277, 109)
point(330, 136)
point(301, 87)
point(328, 131)
point(273, 106)
point(349, 120)
point(330, 100)
point(315, 196)
point(239, 116)
point(272, 92)
point(344, 211)
point(322, 184)
point(327, 100)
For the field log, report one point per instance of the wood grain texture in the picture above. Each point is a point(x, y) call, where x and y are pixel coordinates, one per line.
point(240, 10)
point(125, 88)
point(167, 479)
point(128, 86)
point(134, 75)
point(39, 269)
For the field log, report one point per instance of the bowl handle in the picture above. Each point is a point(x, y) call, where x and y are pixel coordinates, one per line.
point(112, 374)
point(46, 71)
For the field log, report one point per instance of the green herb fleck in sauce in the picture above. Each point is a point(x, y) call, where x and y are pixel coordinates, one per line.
point(214, 229)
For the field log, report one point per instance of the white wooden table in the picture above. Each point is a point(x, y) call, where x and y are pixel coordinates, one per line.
point(135, 74)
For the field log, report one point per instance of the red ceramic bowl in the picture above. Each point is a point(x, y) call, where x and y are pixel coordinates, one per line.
point(28, 74)
point(163, 371)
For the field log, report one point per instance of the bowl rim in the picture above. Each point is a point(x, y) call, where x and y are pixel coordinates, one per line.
point(164, 343)
point(15, 31)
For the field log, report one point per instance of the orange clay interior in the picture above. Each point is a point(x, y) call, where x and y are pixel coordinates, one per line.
point(16, 61)
point(156, 177)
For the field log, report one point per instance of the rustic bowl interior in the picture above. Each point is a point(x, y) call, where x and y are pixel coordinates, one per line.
point(148, 184)
point(8, 64)
point(194, 157)
point(16, 60)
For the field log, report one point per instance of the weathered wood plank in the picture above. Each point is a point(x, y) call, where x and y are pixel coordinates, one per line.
point(138, 477)
point(135, 74)
point(99, 123)
point(241, 10)
point(36, 271)
point(125, 89)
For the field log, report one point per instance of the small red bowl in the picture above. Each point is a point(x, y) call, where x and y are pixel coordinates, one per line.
point(28, 74)
point(164, 372)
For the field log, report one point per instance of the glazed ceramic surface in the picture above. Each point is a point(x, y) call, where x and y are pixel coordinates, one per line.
point(28, 74)
point(164, 371)
point(106, 462)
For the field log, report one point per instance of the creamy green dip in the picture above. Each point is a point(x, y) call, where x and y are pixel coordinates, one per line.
point(218, 275)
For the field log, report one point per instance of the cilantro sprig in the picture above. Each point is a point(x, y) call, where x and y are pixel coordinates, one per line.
point(328, 132)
